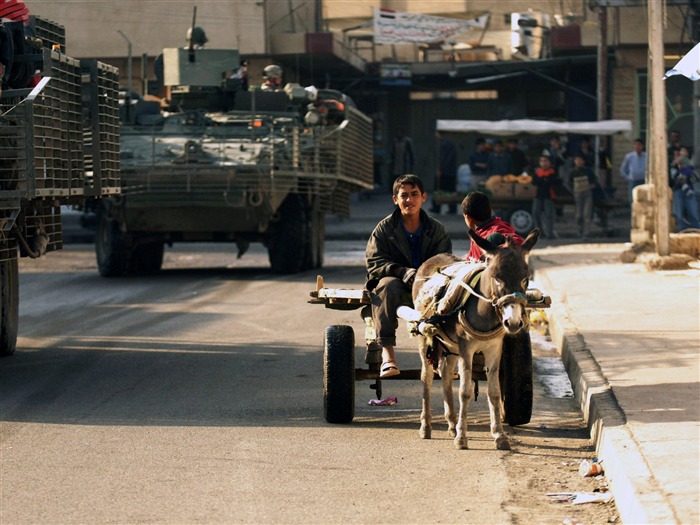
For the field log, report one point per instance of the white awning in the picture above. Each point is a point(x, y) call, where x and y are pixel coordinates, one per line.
point(504, 128)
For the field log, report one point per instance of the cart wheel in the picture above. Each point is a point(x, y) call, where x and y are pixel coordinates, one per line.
point(516, 379)
point(339, 374)
point(522, 220)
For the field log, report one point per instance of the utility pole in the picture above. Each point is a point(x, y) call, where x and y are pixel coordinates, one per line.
point(602, 82)
point(657, 162)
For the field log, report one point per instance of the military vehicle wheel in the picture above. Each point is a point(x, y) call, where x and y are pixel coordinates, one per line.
point(110, 247)
point(315, 240)
point(147, 259)
point(516, 379)
point(287, 248)
point(339, 374)
point(9, 306)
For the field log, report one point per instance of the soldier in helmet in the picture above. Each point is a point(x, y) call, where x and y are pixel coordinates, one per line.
point(196, 37)
point(272, 78)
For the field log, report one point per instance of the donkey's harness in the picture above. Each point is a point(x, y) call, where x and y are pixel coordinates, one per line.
point(469, 283)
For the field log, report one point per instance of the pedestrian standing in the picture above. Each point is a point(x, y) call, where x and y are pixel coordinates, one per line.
point(634, 167)
point(581, 183)
point(402, 157)
point(685, 204)
point(446, 174)
point(517, 156)
point(586, 151)
point(556, 154)
point(478, 162)
point(545, 180)
point(499, 162)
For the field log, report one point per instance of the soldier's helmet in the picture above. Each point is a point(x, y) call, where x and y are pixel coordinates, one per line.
point(272, 72)
point(197, 36)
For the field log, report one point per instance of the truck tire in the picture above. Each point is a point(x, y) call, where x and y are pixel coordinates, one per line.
point(315, 240)
point(9, 306)
point(516, 379)
point(339, 374)
point(147, 259)
point(110, 247)
point(288, 238)
point(522, 220)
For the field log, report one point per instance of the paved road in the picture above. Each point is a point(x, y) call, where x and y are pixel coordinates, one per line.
point(195, 397)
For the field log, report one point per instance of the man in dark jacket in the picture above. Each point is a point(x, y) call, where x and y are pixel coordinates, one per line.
point(399, 244)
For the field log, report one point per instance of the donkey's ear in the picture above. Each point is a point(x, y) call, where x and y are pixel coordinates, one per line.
point(530, 240)
point(482, 243)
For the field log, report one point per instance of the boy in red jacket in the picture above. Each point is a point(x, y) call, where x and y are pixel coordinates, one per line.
point(476, 208)
point(545, 180)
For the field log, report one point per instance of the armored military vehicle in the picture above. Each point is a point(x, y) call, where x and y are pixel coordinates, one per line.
point(59, 144)
point(217, 163)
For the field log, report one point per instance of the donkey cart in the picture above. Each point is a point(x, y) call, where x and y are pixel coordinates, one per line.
point(340, 374)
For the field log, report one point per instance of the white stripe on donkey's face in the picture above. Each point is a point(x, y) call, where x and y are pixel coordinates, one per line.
point(483, 312)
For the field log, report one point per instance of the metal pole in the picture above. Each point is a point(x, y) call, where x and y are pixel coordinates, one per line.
point(602, 83)
point(658, 169)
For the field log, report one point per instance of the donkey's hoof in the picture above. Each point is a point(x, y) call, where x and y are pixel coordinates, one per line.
point(452, 432)
point(425, 432)
point(503, 443)
point(461, 443)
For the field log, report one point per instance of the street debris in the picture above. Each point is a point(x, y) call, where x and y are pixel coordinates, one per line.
point(577, 498)
point(590, 468)
point(571, 521)
point(383, 402)
point(538, 321)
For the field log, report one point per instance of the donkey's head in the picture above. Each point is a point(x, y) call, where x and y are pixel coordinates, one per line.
point(506, 278)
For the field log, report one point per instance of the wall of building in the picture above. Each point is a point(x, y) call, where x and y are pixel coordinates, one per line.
point(151, 25)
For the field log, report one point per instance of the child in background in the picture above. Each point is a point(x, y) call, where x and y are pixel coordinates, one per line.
point(545, 181)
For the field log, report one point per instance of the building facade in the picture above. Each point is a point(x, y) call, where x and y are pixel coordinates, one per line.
point(545, 66)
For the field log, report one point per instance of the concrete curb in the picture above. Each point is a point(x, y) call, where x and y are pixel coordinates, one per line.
point(638, 496)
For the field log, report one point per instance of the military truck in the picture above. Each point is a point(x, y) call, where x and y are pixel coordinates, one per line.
point(212, 162)
point(59, 144)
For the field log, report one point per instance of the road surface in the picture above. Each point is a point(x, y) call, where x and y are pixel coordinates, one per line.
point(195, 396)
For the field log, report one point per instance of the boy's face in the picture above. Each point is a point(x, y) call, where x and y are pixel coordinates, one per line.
point(471, 223)
point(409, 199)
point(578, 161)
point(544, 162)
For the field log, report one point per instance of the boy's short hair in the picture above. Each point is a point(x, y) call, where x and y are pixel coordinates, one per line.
point(477, 205)
point(411, 180)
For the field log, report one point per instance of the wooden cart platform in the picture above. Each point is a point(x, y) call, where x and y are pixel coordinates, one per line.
point(352, 298)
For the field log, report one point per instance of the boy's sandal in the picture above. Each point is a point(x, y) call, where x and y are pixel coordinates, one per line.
point(389, 369)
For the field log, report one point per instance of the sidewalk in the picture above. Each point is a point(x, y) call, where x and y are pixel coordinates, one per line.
point(629, 339)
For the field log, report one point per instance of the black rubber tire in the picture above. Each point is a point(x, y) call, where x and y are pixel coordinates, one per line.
point(288, 239)
point(315, 240)
point(339, 374)
point(516, 379)
point(522, 220)
point(113, 256)
point(147, 259)
point(9, 306)
point(320, 233)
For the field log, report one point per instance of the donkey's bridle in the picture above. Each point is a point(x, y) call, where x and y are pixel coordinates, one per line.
point(502, 302)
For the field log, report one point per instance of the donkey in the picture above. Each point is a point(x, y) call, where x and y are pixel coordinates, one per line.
point(469, 308)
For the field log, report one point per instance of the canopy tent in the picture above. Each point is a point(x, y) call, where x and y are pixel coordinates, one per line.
point(536, 127)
